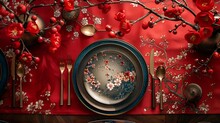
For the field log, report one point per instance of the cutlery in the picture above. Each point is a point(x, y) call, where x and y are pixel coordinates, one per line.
point(88, 30)
point(62, 68)
point(20, 73)
point(13, 79)
point(160, 72)
point(153, 102)
point(69, 68)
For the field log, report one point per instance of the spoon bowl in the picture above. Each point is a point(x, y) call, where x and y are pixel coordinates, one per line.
point(88, 30)
point(160, 72)
point(20, 73)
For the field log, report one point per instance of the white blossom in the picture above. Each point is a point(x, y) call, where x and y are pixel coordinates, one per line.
point(97, 20)
point(84, 10)
point(84, 21)
point(39, 104)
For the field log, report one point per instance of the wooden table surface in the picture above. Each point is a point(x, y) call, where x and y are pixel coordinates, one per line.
point(84, 119)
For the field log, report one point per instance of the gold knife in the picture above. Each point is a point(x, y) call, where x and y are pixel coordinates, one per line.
point(13, 75)
point(153, 100)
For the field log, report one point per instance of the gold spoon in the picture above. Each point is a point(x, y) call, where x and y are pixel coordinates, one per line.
point(88, 30)
point(20, 73)
point(160, 72)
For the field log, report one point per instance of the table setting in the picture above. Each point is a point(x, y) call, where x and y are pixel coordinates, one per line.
point(109, 57)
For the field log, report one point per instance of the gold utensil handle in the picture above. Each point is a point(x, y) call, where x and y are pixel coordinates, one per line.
point(21, 95)
point(69, 99)
point(161, 96)
point(153, 101)
point(61, 90)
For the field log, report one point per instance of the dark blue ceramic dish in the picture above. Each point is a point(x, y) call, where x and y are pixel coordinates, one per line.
point(4, 72)
point(110, 77)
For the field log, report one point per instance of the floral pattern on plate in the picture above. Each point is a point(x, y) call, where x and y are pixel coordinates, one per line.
point(111, 75)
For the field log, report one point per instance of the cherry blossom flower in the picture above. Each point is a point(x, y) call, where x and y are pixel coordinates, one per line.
point(117, 82)
point(110, 86)
point(39, 104)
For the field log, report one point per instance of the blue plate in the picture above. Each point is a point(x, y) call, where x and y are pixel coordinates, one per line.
point(4, 72)
point(110, 77)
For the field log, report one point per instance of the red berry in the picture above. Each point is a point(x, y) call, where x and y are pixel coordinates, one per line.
point(62, 22)
point(53, 19)
point(17, 51)
point(112, 34)
point(21, 9)
point(40, 39)
point(204, 71)
point(196, 60)
point(210, 71)
point(34, 17)
point(58, 27)
point(184, 25)
point(164, 8)
point(106, 8)
point(108, 28)
point(144, 25)
point(54, 29)
point(216, 55)
point(121, 34)
point(11, 15)
point(16, 44)
point(151, 24)
point(174, 32)
point(37, 59)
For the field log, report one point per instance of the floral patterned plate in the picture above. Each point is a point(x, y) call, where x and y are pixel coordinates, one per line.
point(110, 77)
point(4, 72)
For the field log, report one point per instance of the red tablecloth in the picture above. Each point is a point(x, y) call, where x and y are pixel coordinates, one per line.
point(42, 86)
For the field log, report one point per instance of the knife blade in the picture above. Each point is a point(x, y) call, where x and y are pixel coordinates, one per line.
point(13, 75)
point(153, 100)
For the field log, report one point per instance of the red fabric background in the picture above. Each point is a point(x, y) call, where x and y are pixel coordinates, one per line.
point(47, 75)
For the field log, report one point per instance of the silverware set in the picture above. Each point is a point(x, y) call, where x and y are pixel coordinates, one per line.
point(160, 74)
point(62, 68)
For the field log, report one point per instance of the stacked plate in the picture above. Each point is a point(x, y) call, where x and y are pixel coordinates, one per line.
point(110, 77)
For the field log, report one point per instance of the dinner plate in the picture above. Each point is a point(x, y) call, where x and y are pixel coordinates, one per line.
point(4, 72)
point(110, 77)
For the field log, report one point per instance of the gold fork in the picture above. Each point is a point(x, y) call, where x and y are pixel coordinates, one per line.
point(69, 67)
point(62, 68)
